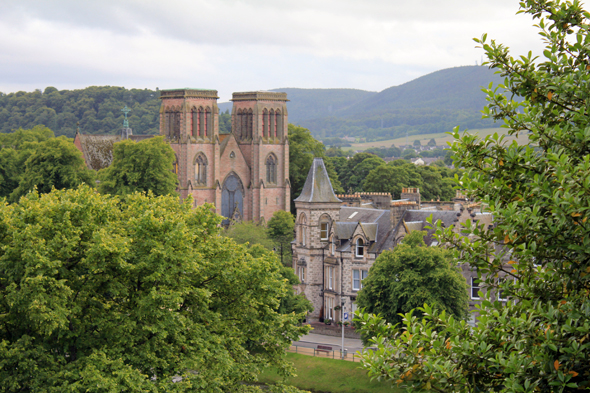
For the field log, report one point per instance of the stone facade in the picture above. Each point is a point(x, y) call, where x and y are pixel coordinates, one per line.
point(338, 238)
point(244, 174)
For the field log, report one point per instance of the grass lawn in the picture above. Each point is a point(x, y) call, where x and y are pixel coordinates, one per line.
point(328, 375)
point(440, 138)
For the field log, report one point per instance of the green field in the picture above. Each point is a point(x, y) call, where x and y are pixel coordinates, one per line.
point(329, 376)
point(440, 138)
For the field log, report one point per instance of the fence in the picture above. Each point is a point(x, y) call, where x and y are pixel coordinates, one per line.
point(333, 354)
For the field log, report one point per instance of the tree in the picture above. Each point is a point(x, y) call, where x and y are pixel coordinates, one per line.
point(250, 233)
point(281, 227)
point(387, 178)
point(409, 153)
point(360, 171)
point(538, 251)
point(417, 143)
point(431, 142)
point(54, 163)
point(99, 295)
point(411, 275)
point(140, 167)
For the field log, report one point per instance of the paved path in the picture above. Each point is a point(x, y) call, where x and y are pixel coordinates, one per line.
point(311, 340)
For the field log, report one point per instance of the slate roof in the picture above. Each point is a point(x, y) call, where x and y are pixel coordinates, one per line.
point(416, 220)
point(98, 149)
point(317, 186)
point(375, 224)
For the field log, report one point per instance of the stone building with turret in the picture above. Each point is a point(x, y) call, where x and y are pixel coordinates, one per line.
point(339, 237)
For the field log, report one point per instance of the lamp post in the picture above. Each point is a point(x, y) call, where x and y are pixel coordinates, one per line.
point(342, 325)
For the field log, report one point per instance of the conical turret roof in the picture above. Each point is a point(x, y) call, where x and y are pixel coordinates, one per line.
point(318, 187)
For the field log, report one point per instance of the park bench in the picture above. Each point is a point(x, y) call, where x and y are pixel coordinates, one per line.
point(323, 348)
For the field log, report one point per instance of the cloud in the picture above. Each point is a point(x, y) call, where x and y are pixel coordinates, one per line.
point(368, 44)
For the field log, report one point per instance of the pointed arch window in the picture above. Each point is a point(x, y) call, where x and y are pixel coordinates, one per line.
point(201, 169)
point(207, 122)
point(278, 133)
point(271, 169)
point(264, 123)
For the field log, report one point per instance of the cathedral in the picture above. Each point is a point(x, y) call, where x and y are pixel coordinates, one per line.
point(244, 173)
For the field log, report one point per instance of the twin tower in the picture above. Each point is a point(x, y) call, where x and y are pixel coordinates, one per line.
point(244, 173)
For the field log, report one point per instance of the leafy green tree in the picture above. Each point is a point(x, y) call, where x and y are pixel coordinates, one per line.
point(431, 142)
point(55, 163)
point(417, 143)
point(360, 172)
point(101, 296)
point(538, 251)
point(281, 227)
point(387, 178)
point(248, 232)
point(409, 153)
point(140, 167)
point(411, 275)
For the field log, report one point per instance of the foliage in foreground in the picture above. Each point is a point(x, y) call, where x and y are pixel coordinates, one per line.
point(538, 252)
point(97, 295)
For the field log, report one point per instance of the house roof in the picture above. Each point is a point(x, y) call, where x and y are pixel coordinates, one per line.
point(415, 220)
point(375, 224)
point(98, 149)
point(317, 187)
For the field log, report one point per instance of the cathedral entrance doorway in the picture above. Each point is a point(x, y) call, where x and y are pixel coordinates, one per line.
point(232, 197)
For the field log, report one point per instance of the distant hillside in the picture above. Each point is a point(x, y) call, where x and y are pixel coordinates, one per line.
point(307, 104)
point(434, 103)
point(96, 108)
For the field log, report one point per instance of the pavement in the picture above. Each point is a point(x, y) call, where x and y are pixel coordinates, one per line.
point(311, 340)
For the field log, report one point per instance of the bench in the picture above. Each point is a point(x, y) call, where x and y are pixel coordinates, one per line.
point(323, 348)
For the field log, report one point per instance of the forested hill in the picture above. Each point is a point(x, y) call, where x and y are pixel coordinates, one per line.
point(430, 104)
point(436, 102)
point(96, 108)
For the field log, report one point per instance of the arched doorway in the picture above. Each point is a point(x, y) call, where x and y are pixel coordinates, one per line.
point(232, 196)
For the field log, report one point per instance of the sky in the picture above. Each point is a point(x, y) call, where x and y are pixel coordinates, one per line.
point(237, 45)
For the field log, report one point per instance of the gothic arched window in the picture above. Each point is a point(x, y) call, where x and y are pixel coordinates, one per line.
point(271, 169)
point(278, 124)
point(201, 169)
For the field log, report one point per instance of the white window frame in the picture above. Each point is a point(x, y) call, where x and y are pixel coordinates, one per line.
point(324, 230)
point(330, 307)
point(360, 274)
point(301, 274)
point(359, 247)
point(475, 286)
point(330, 277)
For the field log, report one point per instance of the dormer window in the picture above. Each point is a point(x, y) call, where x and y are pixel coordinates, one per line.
point(360, 248)
point(324, 231)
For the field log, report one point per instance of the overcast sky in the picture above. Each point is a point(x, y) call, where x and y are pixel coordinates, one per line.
point(233, 45)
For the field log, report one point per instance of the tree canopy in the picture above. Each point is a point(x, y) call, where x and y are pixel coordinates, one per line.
point(281, 229)
point(98, 295)
point(411, 275)
point(140, 167)
point(538, 251)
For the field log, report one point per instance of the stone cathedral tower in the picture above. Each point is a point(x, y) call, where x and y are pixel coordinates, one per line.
point(245, 173)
